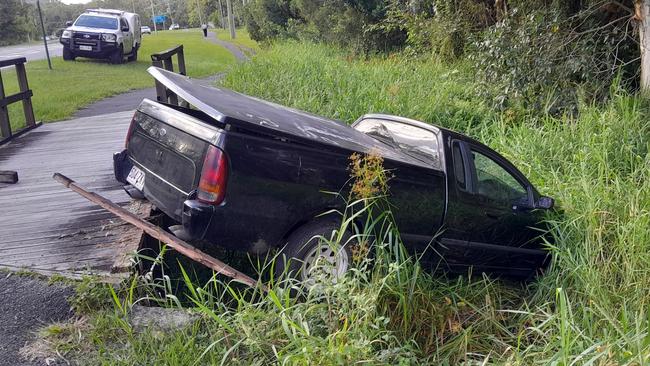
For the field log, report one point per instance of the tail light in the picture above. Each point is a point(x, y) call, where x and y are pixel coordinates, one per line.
point(214, 175)
point(130, 131)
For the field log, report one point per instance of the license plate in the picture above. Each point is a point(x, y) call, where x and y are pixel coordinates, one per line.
point(136, 178)
point(86, 48)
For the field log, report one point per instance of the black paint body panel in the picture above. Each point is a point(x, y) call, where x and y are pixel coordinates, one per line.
point(278, 179)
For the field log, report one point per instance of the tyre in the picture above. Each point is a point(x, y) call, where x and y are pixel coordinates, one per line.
point(118, 56)
point(68, 55)
point(308, 258)
point(134, 55)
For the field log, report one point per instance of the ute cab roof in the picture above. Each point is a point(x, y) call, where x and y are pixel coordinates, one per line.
point(113, 12)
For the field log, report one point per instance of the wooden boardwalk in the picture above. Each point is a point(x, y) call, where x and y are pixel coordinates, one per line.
point(47, 228)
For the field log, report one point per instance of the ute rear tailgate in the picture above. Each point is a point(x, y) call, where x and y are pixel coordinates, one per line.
point(168, 147)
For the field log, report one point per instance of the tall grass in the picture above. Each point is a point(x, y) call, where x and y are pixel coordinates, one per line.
point(592, 306)
point(387, 310)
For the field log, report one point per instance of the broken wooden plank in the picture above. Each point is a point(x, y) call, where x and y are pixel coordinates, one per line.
point(158, 233)
point(8, 176)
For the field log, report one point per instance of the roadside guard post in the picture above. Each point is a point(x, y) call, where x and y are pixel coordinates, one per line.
point(164, 61)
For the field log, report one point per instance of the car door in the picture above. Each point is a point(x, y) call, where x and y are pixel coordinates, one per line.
point(491, 217)
point(127, 36)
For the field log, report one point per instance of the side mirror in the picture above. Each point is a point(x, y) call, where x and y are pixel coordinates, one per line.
point(68, 23)
point(545, 202)
point(125, 29)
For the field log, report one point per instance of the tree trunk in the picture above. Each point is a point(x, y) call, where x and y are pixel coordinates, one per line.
point(231, 19)
point(501, 9)
point(642, 10)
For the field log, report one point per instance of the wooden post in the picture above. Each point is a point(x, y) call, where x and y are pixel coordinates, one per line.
point(5, 128)
point(164, 60)
point(24, 87)
point(161, 91)
point(24, 96)
point(223, 19)
point(160, 234)
point(169, 66)
point(181, 61)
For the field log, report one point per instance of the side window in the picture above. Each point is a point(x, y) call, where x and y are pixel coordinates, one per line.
point(123, 23)
point(459, 166)
point(495, 183)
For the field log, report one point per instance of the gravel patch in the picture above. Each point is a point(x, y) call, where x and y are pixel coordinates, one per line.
point(28, 303)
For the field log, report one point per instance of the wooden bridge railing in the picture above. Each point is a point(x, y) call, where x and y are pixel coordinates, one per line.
point(164, 60)
point(24, 95)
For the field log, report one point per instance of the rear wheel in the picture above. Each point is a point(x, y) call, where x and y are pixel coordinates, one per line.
point(134, 55)
point(118, 56)
point(310, 256)
point(68, 55)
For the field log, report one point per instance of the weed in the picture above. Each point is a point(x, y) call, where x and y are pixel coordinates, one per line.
point(90, 296)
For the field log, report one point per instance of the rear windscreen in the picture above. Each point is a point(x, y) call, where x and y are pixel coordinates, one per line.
point(92, 21)
point(417, 142)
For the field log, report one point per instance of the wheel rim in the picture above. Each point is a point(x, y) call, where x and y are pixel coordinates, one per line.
point(325, 262)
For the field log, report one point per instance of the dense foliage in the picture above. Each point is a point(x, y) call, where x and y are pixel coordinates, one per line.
point(547, 59)
point(540, 55)
point(14, 22)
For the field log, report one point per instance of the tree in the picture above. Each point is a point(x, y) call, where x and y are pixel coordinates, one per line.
point(14, 22)
point(199, 10)
point(642, 15)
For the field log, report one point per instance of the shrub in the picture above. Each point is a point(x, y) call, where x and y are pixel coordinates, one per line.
point(545, 60)
point(15, 22)
point(346, 23)
point(268, 19)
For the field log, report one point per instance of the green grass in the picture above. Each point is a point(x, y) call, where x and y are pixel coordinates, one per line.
point(242, 39)
point(60, 92)
point(591, 308)
point(326, 81)
point(594, 305)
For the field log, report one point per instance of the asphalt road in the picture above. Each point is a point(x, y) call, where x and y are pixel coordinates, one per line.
point(28, 303)
point(32, 51)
